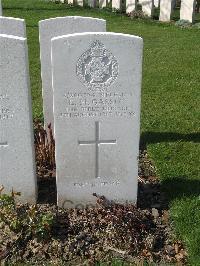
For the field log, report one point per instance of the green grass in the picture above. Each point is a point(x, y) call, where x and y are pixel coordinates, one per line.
point(170, 102)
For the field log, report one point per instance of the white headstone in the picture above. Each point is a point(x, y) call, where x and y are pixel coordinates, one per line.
point(80, 2)
point(97, 116)
point(12, 26)
point(165, 10)
point(52, 28)
point(102, 3)
point(17, 162)
point(91, 3)
point(116, 4)
point(1, 10)
point(187, 10)
point(130, 5)
point(147, 7)
point(156, 3)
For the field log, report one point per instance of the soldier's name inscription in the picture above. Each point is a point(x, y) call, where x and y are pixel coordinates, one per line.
point(97, 104)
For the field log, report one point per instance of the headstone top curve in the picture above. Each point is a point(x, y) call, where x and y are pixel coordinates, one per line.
point(69, 18)
point(11, 18)
point(13, 37)
point(86, 34)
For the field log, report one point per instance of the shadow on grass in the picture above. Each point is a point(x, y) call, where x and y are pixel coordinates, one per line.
point(157, 137)
point(173, 187)
point(180, 187)
point(160, 194)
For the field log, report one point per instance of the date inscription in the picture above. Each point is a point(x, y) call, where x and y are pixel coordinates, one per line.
point(97, 104)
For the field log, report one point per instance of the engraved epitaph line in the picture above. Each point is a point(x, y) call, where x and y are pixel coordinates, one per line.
point(3, 144)
point(97, 142)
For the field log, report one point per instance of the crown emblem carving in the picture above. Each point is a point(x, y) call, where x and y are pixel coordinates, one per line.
point(97, 68)
point(97, 49)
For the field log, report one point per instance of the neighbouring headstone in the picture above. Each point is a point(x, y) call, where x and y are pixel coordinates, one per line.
point(97, 116)
point(147, 7)
point(102, 3)
point(165, 10)
point(17, 162)
point(130, 5)
point(156, 3)
point(92, 3)
point(187, 10)
point(52, 28)
point(12, 26)
point(79, 2)
point(116, 4)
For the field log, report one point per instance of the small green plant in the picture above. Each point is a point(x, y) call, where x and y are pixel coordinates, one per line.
point(24, 219)
point(196, 25)
point(116, 10)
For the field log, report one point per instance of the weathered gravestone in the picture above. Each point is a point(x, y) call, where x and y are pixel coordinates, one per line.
point(130, 5)
point(79, 2)
point(147, 7)
point(116, 4)
point(187, 10)
point(97, 116)
point(102, 3)
point(156, 3)
point(166, 7)
point(12, 26)
point(52, 28)
point(91, 3)
point(17, 162)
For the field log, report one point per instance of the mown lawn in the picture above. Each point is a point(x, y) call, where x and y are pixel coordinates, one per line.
point(170, 102)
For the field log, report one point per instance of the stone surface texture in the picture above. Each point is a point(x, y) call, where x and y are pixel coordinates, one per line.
point(102, 3)
point(116, 4)
point(52, 28)
point(130, 5)
point(156, 3)
point(165, 10)
point(97, 116)
point(147, 7)
point(187, 10)
point(12, 26)
point(91, 3)
point(80, 2)
point(17, 160)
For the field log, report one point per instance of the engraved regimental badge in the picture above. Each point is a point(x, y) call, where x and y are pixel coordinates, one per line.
point(97, 68)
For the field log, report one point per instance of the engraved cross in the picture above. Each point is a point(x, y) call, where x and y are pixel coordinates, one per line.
point(97, 143)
